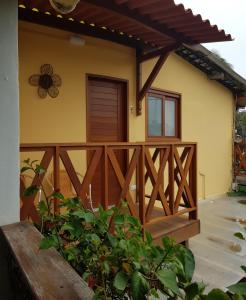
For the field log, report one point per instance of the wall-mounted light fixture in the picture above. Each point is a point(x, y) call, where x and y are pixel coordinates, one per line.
point(64, 6)
point(77, 40)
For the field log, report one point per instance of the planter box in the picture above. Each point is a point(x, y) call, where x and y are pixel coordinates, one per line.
point(39, 274)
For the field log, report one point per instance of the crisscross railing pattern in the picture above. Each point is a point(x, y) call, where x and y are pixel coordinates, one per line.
point(164, 176)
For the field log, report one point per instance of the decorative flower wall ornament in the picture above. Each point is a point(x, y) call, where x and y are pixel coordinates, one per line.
point(47, 82)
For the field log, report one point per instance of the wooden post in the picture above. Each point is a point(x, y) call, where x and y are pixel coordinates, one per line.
point(141, 187)
point(138, 82)
point(105, 179)
point(56, 174)
point(193, 183)
point(171, 178)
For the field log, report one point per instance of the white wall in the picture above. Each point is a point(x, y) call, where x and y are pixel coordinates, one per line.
point(9, 113)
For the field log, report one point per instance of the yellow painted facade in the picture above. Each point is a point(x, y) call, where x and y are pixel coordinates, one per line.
point(207, 107)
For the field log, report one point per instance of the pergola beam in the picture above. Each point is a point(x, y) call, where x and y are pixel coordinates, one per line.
point(163, 55)
point(79, 28)
point(144, 20)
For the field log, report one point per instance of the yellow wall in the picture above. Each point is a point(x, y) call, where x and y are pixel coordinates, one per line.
point(207, 107)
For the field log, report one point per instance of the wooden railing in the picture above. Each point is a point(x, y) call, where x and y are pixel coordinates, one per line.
point(148, 176)
point(240, 159)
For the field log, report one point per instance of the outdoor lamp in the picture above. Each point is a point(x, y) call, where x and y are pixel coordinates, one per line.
point(64, 6)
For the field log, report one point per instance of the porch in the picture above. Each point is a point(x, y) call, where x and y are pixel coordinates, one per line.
point(158, 181)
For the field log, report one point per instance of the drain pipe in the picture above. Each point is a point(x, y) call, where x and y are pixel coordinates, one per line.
point(234, 184)
point(204, 185)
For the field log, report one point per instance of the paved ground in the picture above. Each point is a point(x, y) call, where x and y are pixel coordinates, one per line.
point(218, 253)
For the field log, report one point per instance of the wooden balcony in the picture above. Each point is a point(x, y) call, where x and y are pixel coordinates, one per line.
point(157, 180)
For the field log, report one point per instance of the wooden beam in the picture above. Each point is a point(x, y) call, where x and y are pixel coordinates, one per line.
point(79, 28)
point(158, 52)
point(141, 92)
point(145, 21)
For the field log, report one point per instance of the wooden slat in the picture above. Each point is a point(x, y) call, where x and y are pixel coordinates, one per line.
point(157, 184)
point(183, 174)
point(153, 176)
point(28, 208)
point(122, 180)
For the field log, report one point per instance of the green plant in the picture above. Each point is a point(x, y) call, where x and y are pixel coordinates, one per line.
point(108, 250)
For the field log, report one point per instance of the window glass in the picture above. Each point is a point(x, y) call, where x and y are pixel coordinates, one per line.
point(154, 116)
point(169, 118)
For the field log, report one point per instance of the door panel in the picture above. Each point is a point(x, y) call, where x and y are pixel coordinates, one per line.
point(106, 122)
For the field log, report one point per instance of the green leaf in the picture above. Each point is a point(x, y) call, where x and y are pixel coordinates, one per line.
point(148, 237)
point(193, 290)
point(238, 297)
point(42, 208)
point(24, 169)
point(33, 189)
point(67, 227)
point(153, 292)
point(243, 268)
point(139, 286)
point(120, 281)
point(87, 216)
point(217, 294)
point(48, 242)
point(119, 220)
point(239, 235)
point(39, 170)
point(238, 288)
point(57, 195)
point(26, 161)
point(188, 261)
point(168, 279)
point(167, 242)
point(132, 220)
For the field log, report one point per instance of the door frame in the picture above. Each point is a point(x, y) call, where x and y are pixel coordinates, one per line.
point(125, 82)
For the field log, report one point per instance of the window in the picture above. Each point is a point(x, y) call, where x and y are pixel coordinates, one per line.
point(163, 114)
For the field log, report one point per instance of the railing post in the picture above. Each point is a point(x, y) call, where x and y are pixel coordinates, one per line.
point(105, 179)
point(141, 188)
point(56, 174)
point(171, 179)
point(193, 182)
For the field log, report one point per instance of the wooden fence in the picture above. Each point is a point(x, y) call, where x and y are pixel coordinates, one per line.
point(154, 175)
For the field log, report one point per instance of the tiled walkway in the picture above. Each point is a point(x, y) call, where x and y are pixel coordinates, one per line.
point(218, 253)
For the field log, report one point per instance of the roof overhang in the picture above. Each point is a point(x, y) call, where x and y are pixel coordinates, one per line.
point(137, 23)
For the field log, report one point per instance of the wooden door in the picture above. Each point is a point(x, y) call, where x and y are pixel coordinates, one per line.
point(106, 122)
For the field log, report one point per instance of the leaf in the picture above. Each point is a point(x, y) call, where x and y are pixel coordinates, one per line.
point(39, 170)
point(24, 169)
point(33, 189)
point(139, 286)
point(48, 242)
point(238, 297)
point(167, 242)
point(243, 268)
point(132, 220)
point(239, 235)
point(67, 227)
point(154, 293)
point(26, 161)
point(193, 290)
point(57, 195)
point(87, 216)
point(217, 294)
point(120, 281)
point(238, 288)
point(42, 208)
point(119, 220)
point(168, 279)
point(188, 261)
point(148, 237)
